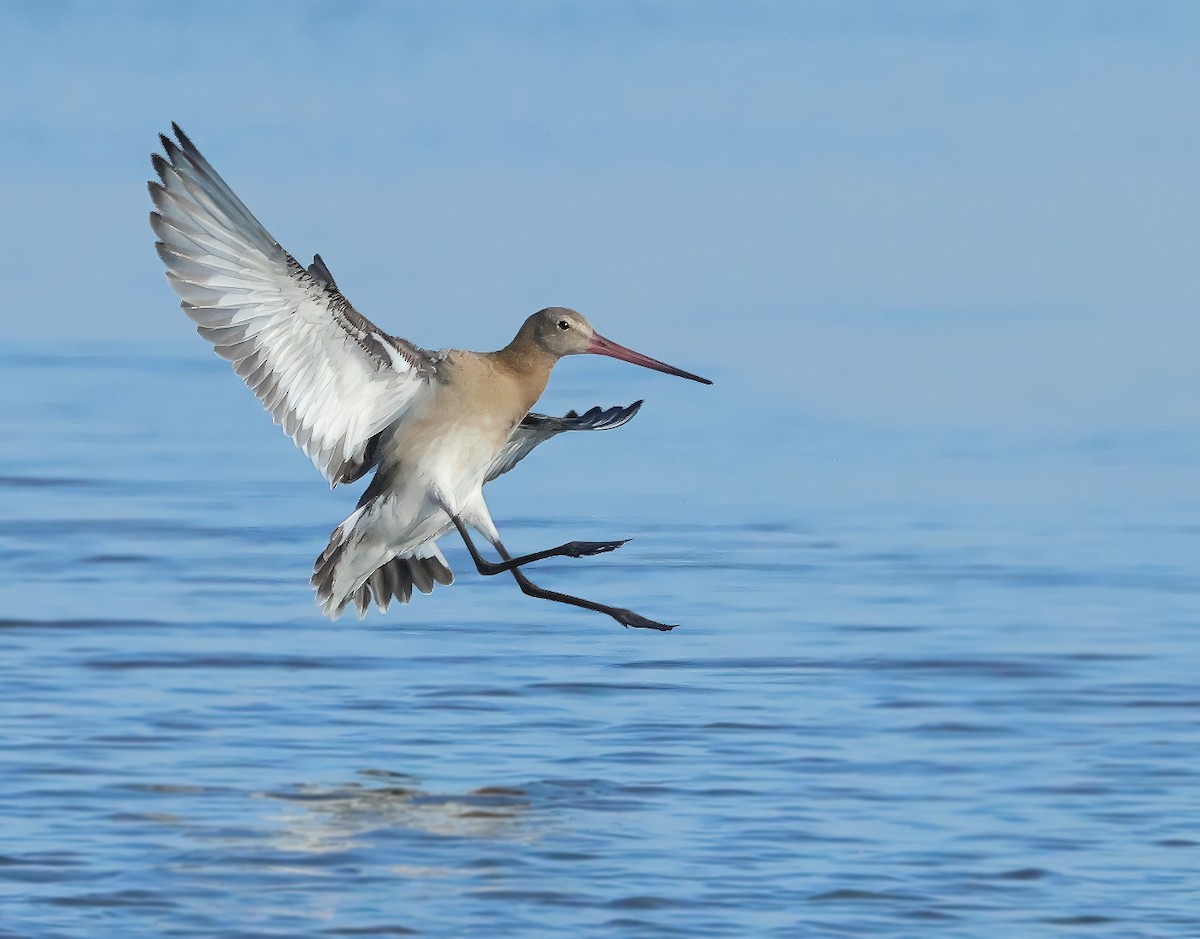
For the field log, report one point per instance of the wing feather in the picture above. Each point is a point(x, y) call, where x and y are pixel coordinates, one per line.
point(538, 428)
point(328, 376)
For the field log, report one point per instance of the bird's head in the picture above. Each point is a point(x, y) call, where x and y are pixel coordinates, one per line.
point(561, 331)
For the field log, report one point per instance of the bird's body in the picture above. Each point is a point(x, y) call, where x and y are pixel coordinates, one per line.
point(435, 427)
point(438, 457)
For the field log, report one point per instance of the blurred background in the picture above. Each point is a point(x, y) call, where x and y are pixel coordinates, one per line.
point(915, 214)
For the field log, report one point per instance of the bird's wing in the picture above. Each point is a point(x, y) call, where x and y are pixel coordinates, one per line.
point(538, 428)
point(327, 374)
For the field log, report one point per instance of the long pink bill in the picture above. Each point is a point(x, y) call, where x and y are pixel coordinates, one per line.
point(602, 346)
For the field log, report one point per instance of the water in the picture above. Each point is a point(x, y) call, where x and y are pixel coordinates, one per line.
point(926, 682)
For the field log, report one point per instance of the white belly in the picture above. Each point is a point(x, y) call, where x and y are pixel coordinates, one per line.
point(430, 466)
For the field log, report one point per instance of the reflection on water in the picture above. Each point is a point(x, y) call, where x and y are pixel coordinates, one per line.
point(329, 818)
point(945, 710)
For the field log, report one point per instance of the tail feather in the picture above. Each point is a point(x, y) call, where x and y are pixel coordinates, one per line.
point(421, 578)
point(396, 579)
point(346, 571)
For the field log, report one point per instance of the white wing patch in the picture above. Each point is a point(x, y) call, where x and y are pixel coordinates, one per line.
point(327, 374)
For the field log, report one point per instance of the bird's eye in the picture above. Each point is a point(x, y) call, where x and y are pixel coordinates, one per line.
point(563, 324)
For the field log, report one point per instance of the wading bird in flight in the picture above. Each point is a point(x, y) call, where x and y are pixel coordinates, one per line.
point(435, 426)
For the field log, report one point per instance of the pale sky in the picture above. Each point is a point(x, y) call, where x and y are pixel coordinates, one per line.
point(928, 213)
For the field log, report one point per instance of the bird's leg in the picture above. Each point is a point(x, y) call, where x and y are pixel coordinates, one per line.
point(572, 549)
point(625, 617)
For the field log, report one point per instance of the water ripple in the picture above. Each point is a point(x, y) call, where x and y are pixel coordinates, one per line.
point(881, 717)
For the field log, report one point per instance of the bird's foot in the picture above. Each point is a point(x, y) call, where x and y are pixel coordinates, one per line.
point(586, 549)
point(628, 618)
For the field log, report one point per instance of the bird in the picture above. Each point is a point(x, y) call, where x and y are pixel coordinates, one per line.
point(435, 427)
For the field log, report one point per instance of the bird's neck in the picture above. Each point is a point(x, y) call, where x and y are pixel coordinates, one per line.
point(528, 363)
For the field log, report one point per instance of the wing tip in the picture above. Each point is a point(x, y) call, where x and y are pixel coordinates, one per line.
point(612, 418)
point(185, 142)
point(160, 164)
point(170, 150)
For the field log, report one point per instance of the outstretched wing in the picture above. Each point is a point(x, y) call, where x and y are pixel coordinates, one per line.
point(538, 428)
point(327, 374)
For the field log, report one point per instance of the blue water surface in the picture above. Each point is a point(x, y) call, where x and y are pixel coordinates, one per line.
point(926, 682)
